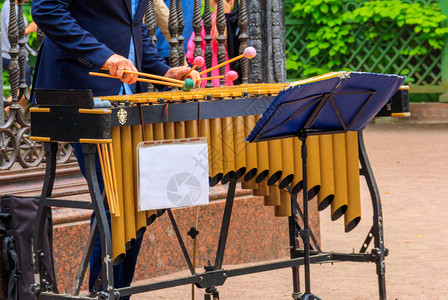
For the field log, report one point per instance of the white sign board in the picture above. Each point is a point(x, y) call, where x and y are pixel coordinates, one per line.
point(172, 173)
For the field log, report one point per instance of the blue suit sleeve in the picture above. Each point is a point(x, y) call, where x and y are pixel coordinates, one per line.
point(152, 62)
point(56, 21)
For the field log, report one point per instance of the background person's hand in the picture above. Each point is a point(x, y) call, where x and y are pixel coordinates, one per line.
point(117, 64)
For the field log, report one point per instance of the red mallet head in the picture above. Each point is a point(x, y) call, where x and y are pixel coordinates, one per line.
point(250, 52)
point(232, 75)
point(198, 61)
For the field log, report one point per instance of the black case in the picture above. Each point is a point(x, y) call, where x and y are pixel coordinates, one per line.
point(17, 222)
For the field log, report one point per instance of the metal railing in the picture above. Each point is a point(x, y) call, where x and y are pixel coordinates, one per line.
point(15, 144)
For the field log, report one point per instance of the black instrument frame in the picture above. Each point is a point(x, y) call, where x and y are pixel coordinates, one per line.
point(214, 275)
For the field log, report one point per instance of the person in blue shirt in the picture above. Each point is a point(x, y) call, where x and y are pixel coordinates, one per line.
point(162, 44)
point(84, 36)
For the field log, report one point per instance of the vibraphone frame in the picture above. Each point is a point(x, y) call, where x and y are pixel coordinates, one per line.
point(214, 275)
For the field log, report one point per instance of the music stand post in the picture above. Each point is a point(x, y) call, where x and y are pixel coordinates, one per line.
point(305, 232)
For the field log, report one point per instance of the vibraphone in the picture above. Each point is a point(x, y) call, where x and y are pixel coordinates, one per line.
point(225, 116)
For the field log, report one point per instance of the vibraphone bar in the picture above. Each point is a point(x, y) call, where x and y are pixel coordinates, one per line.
point(225, 116)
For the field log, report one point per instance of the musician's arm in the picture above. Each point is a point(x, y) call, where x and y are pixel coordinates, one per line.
point(152, 62)
point(56, 21)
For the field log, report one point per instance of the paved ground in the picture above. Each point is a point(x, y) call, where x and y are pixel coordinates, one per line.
point(411, 168)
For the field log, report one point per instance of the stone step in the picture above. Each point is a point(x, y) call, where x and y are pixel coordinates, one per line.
point(29, 182)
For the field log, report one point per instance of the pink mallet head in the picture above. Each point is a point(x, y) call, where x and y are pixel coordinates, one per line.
point(232, 75)
point(198, 61)
point(250, 52)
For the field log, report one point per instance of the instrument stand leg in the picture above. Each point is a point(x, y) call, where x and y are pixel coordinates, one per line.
point(225, 225)
point(85, 259)
point(46, 280)
point(295, 207)
point(305, 233)
point(294, 244)
point(211, 293)
point(107, 276)
point(181, 241)
point(379, 251)
point(293, 236)
point(96, 285)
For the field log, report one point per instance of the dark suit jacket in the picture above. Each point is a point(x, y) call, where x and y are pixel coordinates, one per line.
point(82, 34)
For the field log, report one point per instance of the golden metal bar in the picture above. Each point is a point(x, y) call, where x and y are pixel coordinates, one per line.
point(251, 149)
point(319, 78)
point(95, 141)
point(105, 177)
point(297, 181)
point(92, 111)
point(249, 185)
point(107, 174)
point(401, 115)
point(216, 147)
point(149, 134)
point(169, 131)
point(40, 109)
point(114, 180)
point(274, 196)
point(352, 215)
point(140, 216)
point(340, 201)
point(287, 162)
point(275, 162)
point(40, 139)
point(239, 134)
point(262, 161)
point(158, 131)
point(326, 193)
point(313, 170)
point(228, 149)
point(179, 130)
point(204, 131)
point(191, 129)
point(262, 189)
point(284, 209)
point(117, 222)
point(128, 185)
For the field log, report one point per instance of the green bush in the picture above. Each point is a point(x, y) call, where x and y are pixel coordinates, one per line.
point(331, 27)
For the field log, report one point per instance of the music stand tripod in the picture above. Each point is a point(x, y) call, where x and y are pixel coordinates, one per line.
point(333, 103)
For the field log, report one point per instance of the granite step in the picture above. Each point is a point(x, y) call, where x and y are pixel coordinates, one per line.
point(28, 182)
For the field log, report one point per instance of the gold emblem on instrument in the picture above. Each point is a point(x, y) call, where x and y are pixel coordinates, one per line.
point(122, 116)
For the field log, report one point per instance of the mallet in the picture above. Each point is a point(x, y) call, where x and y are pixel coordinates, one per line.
point(198, 62)
point(248, 53)
point(231, 76)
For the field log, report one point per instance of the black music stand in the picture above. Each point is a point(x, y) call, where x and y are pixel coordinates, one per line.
point(332, 103)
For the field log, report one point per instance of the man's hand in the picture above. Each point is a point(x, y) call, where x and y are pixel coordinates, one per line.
point(117, 64)
point(180, 72)
point(31, 28)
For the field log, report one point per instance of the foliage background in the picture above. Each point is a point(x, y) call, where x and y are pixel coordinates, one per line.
point(389, 36)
